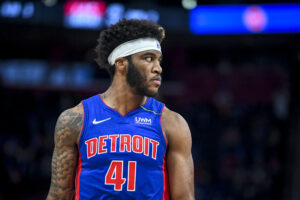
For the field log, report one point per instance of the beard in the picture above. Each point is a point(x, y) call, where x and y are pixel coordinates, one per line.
point(137, 80)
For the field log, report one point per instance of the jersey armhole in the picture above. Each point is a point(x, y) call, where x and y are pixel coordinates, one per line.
point(161, 128)
point(85, 121)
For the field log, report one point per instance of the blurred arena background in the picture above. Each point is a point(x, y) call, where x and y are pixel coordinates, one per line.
point(231, 68)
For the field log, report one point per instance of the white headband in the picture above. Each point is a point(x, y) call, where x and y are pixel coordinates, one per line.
point(132, 47)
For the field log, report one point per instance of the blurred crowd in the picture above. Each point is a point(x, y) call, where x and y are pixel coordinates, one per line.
point(238, 145)
point(237, 151)
point(239, 128)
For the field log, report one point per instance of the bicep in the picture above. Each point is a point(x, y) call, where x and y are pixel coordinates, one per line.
point(65, 155)
point(180, 161)
point(64, 161)
point(63, 172)
point(181, 175)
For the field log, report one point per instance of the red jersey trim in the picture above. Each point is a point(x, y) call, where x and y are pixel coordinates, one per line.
point(83, 119)
point(77, 193)
point(166, 195)
point(79, 168)
point(162, 131)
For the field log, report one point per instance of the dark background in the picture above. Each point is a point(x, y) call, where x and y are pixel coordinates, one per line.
point(238, 93)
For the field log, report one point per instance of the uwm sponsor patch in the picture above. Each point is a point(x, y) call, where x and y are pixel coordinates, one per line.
point(121, 143)
point(142, 120)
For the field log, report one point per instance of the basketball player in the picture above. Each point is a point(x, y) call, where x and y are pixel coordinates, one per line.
point(123, 144)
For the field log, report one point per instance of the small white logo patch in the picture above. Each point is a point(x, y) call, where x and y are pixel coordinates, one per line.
point(141, 120)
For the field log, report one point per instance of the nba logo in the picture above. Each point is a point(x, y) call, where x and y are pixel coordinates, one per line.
point(157, 45)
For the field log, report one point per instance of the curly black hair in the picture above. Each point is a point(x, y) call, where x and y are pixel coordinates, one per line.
point(123, 31)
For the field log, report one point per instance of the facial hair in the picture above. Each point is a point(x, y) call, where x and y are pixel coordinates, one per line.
point(137, 80)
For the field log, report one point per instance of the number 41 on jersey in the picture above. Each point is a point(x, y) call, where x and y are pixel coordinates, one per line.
point(114, 175)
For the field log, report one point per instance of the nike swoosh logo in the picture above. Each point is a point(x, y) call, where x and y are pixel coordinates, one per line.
point(98, 122)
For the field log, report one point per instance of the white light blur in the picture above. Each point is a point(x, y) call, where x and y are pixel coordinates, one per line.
point(49, 3)
point(189, 4)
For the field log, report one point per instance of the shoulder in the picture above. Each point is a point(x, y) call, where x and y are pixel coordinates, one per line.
point(69, 124)
point(171, 117)
point(175, 126)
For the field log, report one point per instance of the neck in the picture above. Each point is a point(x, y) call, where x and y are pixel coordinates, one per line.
point(121, 97)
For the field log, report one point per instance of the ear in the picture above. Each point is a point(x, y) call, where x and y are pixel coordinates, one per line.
point(121, 64)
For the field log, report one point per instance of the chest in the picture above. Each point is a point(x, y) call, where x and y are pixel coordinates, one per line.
point(136, 137)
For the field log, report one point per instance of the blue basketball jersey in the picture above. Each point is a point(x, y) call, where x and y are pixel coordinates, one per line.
point(122, 157)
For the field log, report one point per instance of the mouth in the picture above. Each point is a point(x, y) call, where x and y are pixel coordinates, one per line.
point(157, 81)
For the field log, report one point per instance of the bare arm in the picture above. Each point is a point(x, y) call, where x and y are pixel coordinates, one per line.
point(179, 157)
point(64, 159)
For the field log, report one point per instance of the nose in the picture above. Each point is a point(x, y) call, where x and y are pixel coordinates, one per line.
point(157, 68)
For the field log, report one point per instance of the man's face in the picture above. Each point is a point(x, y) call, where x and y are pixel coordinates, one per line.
point(144, 72)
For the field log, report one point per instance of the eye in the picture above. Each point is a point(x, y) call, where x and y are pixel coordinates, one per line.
point(149, 59)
